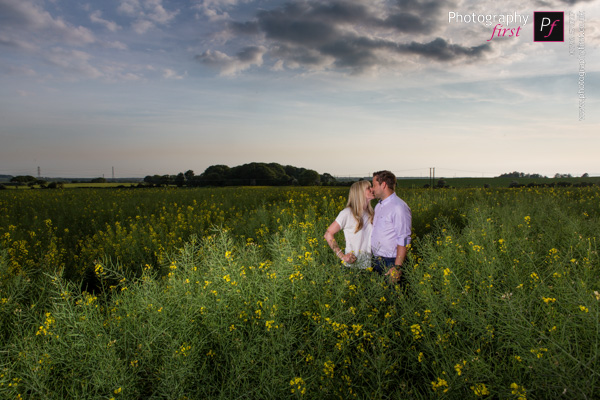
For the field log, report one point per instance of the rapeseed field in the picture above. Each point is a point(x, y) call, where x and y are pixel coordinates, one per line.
point(233, 293)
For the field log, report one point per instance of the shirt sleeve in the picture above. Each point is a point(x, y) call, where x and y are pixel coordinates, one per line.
point(403, 225)
point(342, 219)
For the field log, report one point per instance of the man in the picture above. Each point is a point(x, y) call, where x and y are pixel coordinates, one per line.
point(391, 227)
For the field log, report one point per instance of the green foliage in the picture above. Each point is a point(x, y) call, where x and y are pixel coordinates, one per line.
point(262, 174)
point(56, 185)
point(502, 298)
point(309, 177)
point(516, 174)
point(23, 179)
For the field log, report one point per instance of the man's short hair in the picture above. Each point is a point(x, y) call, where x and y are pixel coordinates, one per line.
point(387, 177)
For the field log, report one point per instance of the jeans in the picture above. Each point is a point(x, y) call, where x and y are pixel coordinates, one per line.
point(382, 264)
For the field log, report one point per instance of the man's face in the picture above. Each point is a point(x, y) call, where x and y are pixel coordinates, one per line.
point(378, 188)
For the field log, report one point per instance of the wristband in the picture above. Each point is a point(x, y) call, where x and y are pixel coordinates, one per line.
point(338, 252)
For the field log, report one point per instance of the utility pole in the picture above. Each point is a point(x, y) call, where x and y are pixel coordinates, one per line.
point(430, 177)
point(113, 174)
point(39, 173)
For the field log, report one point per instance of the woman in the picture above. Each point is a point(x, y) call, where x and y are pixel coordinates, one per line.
point(356, 220)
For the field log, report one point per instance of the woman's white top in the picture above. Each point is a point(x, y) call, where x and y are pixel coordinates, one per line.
point(358, 243)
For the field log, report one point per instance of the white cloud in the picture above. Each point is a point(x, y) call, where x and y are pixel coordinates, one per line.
point(157, 13)
point(17, 43)
point(73, 61)
point(148, 14)
point(17, 70)
point(230, 66)
point(142, 26)
point(26, 21)
point(96, 17)
point(214, 15)
point(216, 10)
point(116, 45)
point(171, 74)
point(129, 7)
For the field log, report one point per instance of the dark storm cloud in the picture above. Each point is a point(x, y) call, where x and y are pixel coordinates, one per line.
point(243, 60)
point(414, 16)
point(407, 22)
point(363, 52)
point(441, 50)
point(576, 1)
point(339, 11)
point(250, 54)
point(297, 55)
point(244, 28)
point(277, 25)
point(352, 34)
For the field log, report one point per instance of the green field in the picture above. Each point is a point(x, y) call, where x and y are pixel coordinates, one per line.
point(493, 182)
point(74, 185)
point(404, 183)
point(230, 293)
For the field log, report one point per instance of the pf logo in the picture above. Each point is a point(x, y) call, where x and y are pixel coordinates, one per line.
point(549, 26)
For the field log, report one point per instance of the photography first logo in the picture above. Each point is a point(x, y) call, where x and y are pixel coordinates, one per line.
point(498, 20)
point(549, 26)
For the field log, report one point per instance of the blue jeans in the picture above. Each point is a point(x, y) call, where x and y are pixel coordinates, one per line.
point(382, 264)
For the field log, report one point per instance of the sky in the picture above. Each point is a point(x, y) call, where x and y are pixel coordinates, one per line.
point(347, 87)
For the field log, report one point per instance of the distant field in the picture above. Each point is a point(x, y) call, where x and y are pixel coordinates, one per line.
point(404, 183)
point(492, 182)
point(76, 185)
point(98, 185)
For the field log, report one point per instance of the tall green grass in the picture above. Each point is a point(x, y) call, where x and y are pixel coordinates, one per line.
point(502, 301)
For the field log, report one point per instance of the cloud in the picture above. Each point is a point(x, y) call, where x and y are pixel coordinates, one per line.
point(75, 61)
point(16, 70)
point(348, 35)
point(441, 50)
point(147, 13)
point(232, 65)
point(96, 17)
point(171, 74)
point(142, 26)
point(16, 43)
point(576, 1)
point(115, 45)
point(25, 21)
point(216, 10)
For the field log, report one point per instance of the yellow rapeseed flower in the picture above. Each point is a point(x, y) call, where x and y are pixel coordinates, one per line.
point(298, 384)
point(480, 390)
point(328, 368)
point(518, 391)
point(439, 384)
point(458, 367)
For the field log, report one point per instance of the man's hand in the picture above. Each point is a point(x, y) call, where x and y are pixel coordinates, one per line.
point(394, 274)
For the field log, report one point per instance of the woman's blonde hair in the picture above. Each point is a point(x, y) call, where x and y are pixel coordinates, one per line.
point(357, 203)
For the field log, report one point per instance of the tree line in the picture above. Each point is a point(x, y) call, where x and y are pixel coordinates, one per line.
point(516, 174)
point(251, 174)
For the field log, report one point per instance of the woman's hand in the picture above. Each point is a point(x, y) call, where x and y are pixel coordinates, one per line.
point(349, 258)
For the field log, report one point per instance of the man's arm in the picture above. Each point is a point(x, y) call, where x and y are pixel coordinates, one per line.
point(400, 255)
